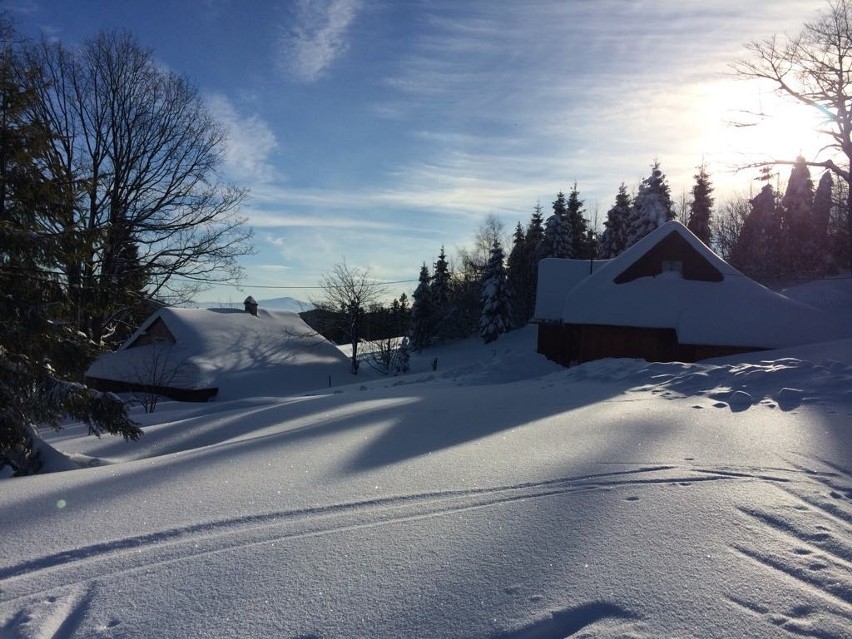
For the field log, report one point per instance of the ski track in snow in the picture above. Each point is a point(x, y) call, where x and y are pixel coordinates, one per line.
point(179, 544)
point(801, 541)
point(813, 526)
point(815, 530)
point(595, 619)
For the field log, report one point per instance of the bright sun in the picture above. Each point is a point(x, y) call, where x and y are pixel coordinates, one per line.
point(786, 131)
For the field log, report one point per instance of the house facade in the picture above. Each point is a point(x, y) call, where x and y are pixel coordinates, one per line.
point(669, 297)
point(199, 354)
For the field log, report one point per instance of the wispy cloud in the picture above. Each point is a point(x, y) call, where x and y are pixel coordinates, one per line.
point(213, 9)
point(250, 141)
point(262, 219)
point(21, 7)
point(316, 37)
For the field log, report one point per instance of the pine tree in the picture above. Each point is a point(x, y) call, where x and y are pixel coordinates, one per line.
point(557, 241)
point(821, 218)
point(402, 360)
point(422, 312)
point(652, 207)
point(614, 238)
point(534, 240)
point(579, 233)
point(535, 231)
point(496, 308)
point(441, 283)
point(518, 276)
point(442, 310)
point(39, 353)
point(796, 242)
point(400, 315)
point(700, 208)
point(755, 250)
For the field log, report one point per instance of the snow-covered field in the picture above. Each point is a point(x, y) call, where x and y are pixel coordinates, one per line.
point(499, 496)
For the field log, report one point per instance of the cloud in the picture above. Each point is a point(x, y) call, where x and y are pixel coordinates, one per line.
point(317, 36)
point(264, 219)
point(21, 7)
point(250, 141)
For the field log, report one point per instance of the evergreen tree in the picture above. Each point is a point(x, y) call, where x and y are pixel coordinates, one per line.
point(755, 250)
point(441, 283)
point(496, 308)
point(616, 227)
point(839, 236)
point(442, 308)
point(400, 315)
point(39, 355)
point(518, 276)
point(579, 233)
point(796, 242)
point(534, 240)
point(652, 207)
point(422, 312)
point(700, 208)
point(557, 241)
point(403, 356)
point(821, 218)
point(535, 231)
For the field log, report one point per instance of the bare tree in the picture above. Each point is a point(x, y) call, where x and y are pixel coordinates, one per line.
point(134, 156)
point(348, 292)
point(475, 258)
point(388, 356)
point(814, 68)
point(156, 371)
point(727, 224)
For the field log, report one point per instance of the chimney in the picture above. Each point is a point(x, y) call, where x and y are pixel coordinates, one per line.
point(251, 305)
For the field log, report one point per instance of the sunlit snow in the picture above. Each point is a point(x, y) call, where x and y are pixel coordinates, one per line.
point(497, 496)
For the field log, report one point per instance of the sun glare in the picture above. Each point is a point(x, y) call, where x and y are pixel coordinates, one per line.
point(743, 127)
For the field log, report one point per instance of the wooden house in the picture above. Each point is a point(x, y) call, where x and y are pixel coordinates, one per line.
point(669, 297)
point(199, 354)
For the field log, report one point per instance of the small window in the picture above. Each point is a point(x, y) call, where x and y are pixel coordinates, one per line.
point(671, 266)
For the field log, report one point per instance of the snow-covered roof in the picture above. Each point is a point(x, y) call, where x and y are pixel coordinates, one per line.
point(731, 311)
point(274, 353)
point(555, 278)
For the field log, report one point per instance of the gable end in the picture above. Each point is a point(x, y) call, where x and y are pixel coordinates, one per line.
point(672, 248)
point(156, 332)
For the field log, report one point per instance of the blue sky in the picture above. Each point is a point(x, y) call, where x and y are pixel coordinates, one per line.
point(378, 131)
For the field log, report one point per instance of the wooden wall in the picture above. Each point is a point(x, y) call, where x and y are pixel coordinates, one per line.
point(568, 344)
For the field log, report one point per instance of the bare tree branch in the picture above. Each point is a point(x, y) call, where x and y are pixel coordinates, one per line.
point(349, 292)
point(135, 155)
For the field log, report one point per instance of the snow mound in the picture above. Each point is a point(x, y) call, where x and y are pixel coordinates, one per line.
point(786, 382)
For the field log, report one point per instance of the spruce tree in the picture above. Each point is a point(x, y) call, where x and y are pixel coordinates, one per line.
point(796, 242)
point(557, 241)
point(755, 251)
point(652, 207)
point(40, 355)
point(518, 276)
point(821, 219)
point(700, 208)
point(496, 308)
point(580, 245)
point(402, 359)
point(441, 283)
point(614, 238)
point(535, 231)
point(534, 239)
point(422, 312)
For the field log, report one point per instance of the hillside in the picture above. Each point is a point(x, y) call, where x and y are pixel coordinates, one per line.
point(499, 496)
